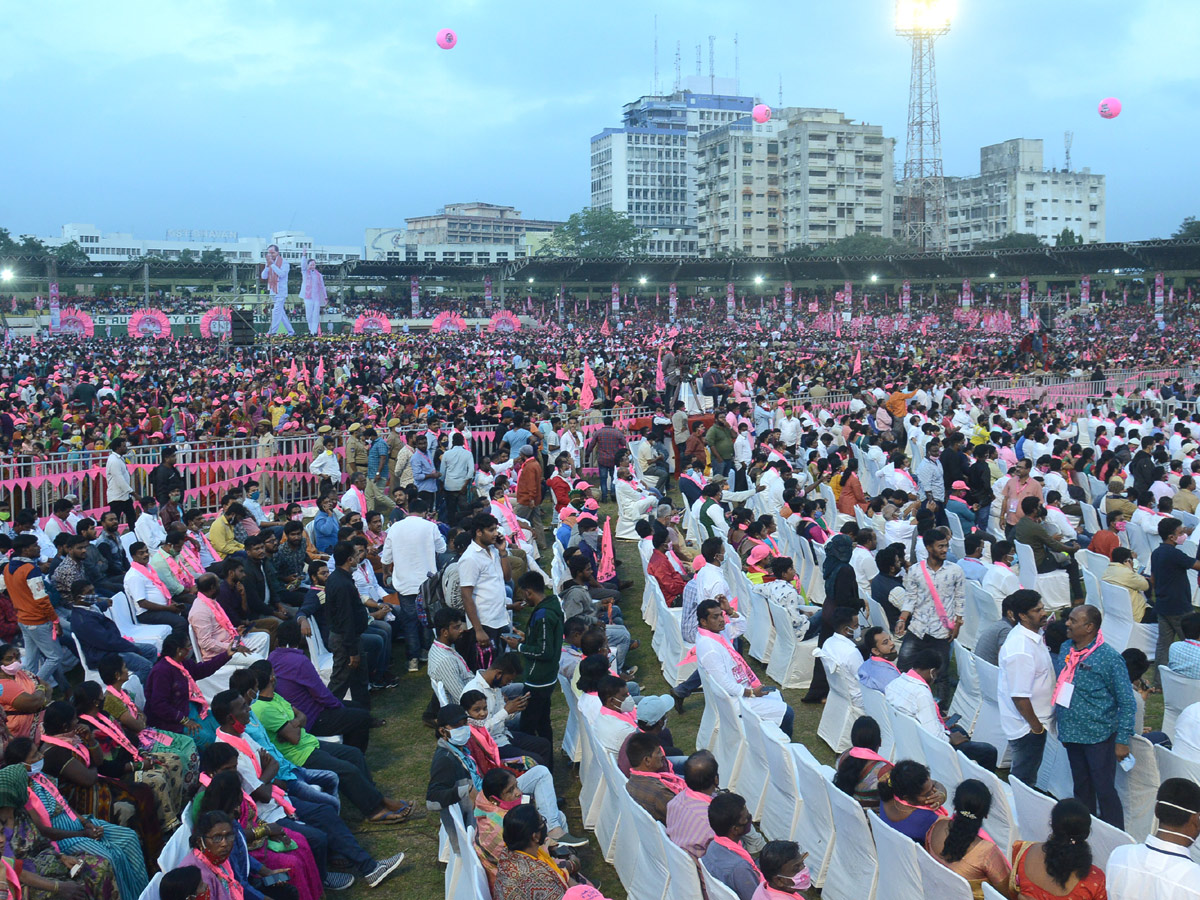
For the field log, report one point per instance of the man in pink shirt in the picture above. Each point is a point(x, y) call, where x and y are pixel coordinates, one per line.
point(214, 632)
point(1018, 488)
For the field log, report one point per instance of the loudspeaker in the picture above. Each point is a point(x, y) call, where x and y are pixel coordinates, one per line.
point(241, 331)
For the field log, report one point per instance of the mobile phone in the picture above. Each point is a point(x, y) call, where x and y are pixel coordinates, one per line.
point(951, 721)
point(75, 869)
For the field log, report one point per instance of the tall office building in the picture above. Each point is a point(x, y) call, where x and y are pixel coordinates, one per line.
point(647, 167)
point(804, 178)
point(1013, 192)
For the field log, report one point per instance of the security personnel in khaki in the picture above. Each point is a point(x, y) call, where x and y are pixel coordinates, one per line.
point(356, 451)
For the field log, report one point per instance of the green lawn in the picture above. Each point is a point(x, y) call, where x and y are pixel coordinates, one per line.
point(401, 750)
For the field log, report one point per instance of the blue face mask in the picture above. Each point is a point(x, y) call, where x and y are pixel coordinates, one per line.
point(254, 495)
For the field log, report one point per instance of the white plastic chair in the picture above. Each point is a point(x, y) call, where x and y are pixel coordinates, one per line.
point(876, 706)
point(128, 539)
point(627, 847)
point(1055, 587)
point(608, 820)
point(967, 699)
point(1054, 775)
point(120, 610)
point(1104, 840)
point(939, 881)
point(1178, 694)
point(942, 759)
point(570, 738)
point(684, 871)
point(815, 829)
point(178, 845)
point(782, 803)
point(755, 776)
point(730, 748)
point(1032, 809)
point(791, 664)
point(897, 855)
point(1091, 521)
point(715, 888)
point(853, 866)
point(591, 777)
point(322, 658)
point(88, 674)
point(1172, 765)
point(150, 892)
point(957, 536)
point(652, 872)
point(1091, 586)
point(979, 612)
point(987, 724)
point(840, 711)
point(1119, 628)
point(1001, 822)
point(907, 732)
point(1138, 788)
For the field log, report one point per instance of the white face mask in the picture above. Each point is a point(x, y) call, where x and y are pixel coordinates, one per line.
point(628, 705)
point(460, 735)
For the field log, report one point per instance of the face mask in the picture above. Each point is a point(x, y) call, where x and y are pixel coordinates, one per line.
point(509, 804)
point(1119, 526)
point(628, 705)
point(802, 881)
point(297, 517)
point(12, 668)
point(460, 735)
point(36, 768)
point(254, 495)
point(250, 700)
point(237, 727)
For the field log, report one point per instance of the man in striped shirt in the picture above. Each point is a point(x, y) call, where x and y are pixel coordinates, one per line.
point(687, 812)
point(445, 664)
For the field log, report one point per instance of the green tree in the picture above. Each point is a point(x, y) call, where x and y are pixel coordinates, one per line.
point(71, 254)
point(594, 233)
point(1189, 230)
point(859, 244)
point(214, 257)
point(1067, 238)
point(187, 256)
point(1016, 241)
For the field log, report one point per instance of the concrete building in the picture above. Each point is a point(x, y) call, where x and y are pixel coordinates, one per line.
point(461, 232)
point(647, 167)
point(806, 177)
point(1013, 192)
point(114, 246)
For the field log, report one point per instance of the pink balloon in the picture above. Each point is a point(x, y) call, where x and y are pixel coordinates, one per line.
point(761, 113)
point(1110, 107)
point(446, 39)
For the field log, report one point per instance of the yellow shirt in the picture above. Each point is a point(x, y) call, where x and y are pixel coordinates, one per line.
point(220, 533)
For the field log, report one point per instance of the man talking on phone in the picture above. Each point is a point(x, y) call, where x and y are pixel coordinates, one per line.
point(348, 619)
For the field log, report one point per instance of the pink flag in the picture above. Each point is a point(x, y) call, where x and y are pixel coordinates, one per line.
point(660, 380)
point(589, 377)
point(560, 373)
point(608, 567)
point(586, 396)
point(857, 362)
point(604, 329)
point(758, 324)
point(292, 372)
point(319, 375)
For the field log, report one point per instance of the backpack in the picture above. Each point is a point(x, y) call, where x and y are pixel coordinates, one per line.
point(432, 595)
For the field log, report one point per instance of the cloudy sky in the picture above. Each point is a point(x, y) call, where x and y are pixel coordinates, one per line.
point(255, 116)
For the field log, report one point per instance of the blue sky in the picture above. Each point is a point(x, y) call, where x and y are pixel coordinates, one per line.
point(254, 116)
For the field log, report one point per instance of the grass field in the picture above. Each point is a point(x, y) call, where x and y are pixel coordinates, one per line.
point(400, 753)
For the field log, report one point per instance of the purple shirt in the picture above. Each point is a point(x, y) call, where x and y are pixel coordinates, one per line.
point(297, 680)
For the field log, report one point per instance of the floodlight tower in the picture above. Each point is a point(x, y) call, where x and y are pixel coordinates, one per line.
point(922, 22)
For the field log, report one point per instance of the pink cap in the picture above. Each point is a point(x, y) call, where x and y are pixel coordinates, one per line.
point(959, 486)
point(582, 485)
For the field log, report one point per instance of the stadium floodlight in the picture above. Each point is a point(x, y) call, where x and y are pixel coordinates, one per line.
point(923, 17)
point(874, 277)
point(642, 280)
point(758, 279)
point(991, 275)
point(531, 279)
point(7, 274)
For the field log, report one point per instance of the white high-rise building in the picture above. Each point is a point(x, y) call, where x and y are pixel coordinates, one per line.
point(1013, 193)
point(114, 246)
point(647, 167)
point(806, 177)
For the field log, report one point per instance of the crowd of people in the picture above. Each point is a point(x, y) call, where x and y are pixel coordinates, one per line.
point(456, 532)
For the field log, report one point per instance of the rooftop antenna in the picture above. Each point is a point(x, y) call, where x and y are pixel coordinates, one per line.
point(656, 53)
point(1068, 140)
point(781, 91)
point(678, 62)
point(712, 74)
point(737, 77)
point(697, 60)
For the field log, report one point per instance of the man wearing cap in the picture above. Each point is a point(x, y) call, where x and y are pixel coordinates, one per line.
point(356, 450)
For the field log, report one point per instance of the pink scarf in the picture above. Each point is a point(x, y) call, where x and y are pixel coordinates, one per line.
point(202, 538)
point(1074, 658)
point(735, 847)
point(670, 780)
point(154, 579)
point(64, 525)
point(273, 276)
point(147, 736)
point(114, 733)
point(182, 575)
point(362, 501)
point(510, 518)
point(72, 743)
point(314, 285)
point(912, 673)
point(630, 717)
point(947, 623)
point(219, 614)
point(54, 792)
point(243, 747)
point(866, 754)
point(742, 672)
point(223, 873)
point(195, 695)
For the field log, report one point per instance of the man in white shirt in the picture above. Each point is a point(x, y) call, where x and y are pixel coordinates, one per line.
point(148, 528)
point(1000, 580)
point(571, 441)
point(789, 431)
point(410, 548)
point(710, 577)
point(1162, 867)
point(911, 694)
point(1026, 685)
point(116, 482)
point(841, 656)
point(147, 592)
point(482, 570)
point(618, 714)
point(275, 274)
point(725, 667)
point(862, 561)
